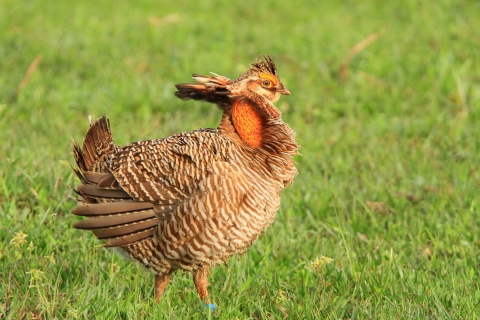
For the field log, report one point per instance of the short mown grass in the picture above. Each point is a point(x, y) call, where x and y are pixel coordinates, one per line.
point(388, 183)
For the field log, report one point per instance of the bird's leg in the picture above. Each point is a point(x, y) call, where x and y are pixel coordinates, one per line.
point(161, 281)
point(201, 281)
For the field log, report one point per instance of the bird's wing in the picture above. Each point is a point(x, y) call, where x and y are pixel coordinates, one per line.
point(174, 182)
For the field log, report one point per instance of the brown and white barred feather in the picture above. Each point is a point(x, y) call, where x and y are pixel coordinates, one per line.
point(193, 199)
point(191, 192)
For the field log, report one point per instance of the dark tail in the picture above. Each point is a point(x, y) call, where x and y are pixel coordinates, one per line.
point(92, 159)
point(110, 212)
point(97, 148)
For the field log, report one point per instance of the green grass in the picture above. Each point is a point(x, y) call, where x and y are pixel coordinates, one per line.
point(401, 129)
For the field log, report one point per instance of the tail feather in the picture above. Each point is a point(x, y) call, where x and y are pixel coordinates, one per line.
point(129, 238)
point(93, 191)
point(109, 211)
point(127, 229)
point(97, 147)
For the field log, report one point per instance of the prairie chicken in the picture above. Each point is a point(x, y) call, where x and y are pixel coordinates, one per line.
point(191, 200)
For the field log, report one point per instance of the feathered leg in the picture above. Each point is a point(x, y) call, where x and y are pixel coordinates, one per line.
point(161, 282)
point(200, 278)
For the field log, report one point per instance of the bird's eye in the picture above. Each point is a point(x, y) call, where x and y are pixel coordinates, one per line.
point(266, 83)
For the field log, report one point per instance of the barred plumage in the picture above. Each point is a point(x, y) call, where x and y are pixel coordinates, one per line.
point(193, 199)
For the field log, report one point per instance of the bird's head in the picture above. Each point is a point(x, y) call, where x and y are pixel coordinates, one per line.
point(262, 79)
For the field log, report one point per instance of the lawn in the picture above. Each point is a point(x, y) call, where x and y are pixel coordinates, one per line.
point(386, 105)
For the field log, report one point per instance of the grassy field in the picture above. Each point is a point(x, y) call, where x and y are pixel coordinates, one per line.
point(386, 105)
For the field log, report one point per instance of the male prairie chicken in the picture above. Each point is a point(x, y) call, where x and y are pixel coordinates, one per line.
point(191, 200)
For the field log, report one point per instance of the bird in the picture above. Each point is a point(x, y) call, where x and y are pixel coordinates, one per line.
point(191, 200)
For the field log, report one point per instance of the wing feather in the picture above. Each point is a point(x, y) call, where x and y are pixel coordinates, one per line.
point(179, 188)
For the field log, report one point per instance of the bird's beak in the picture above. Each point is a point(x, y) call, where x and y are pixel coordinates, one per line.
point(284, 91)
